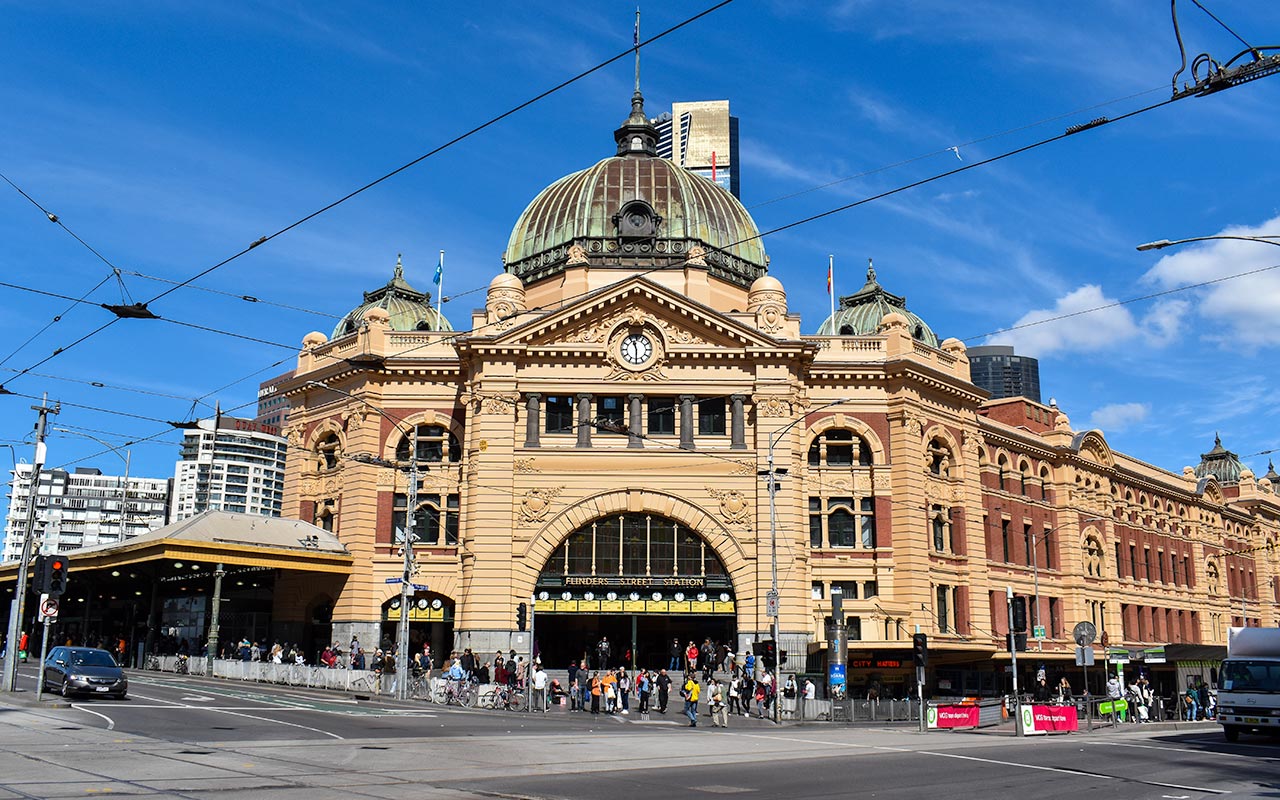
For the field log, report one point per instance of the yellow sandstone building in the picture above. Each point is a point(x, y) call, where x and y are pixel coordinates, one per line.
point(598, 439)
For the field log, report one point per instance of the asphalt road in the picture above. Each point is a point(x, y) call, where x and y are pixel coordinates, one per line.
point(193, 738)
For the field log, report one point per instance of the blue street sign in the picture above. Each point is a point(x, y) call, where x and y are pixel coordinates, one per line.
point(394, 580)
point(421, 587)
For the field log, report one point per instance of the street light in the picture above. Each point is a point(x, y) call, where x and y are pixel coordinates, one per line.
point(774, 599)
point(124, 503)
point(1161, 244)
point(402, 627)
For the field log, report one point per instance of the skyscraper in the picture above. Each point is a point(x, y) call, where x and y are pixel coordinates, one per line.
point(998, 370)
point(231, 465)
point(702, 137)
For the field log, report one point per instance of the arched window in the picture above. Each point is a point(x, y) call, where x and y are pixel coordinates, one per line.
point(1212, 577)
point(324, 515)
point(940, 523)
point(939, 458)
point(635, 549)
point(328, 451)
point(842, 522)
point(1092, 557)
point(435, 444)
point(839, 447)
point(436, 518)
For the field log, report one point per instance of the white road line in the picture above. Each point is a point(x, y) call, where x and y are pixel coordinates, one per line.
point(247, 716)
point(111, 724)
point(1216, 754)
point(1035, 767)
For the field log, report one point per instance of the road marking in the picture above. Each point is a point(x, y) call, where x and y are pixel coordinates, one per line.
point(111, 724)
point(1017, 765)
point(173, 704)
point(1213, 753)
point(191, 698)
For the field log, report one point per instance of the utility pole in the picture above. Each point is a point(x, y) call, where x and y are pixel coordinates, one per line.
point(1013, 660)
point(406, 583)
point(17, 607)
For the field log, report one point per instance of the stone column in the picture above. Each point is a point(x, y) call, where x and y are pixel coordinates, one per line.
point(635, 429)
point(739, 429)
point(686, 422)
point(584, 419)
point(532, 419)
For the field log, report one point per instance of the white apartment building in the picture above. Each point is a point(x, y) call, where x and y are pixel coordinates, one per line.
point(229, 464)
point(82, 508)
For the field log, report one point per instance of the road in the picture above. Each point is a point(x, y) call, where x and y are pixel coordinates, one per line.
point(187, 737)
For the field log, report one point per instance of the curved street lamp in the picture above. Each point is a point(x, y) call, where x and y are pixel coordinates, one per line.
point(402, 627)
point(1161, 244)
point(774, 599)
point(124, 500)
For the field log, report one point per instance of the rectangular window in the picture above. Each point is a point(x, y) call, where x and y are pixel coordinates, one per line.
point(559, 413)
point(1047, 538)
point(1173, 567)
point(868, 523)
point(1055, 617)
point(1133, 561)
point(662, 547)
point(1160, 563)
point(1026, 542)
point(1146, 563)
point(1004, 538)
point(816, 591)
point(815, 522)
point(662, 416)
point(870, 589)
point(850, 589)
point(939, 529)
point(1119, 563)
point(711, 418)
point(611, 414)
point(942, 607)
point(853, 628)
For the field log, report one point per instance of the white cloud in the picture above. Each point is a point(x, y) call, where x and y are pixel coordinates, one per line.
point(1242, 309)
point(1087, 320)
point(1119, 416)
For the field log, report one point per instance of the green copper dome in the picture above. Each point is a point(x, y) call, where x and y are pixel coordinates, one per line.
point(860, 313)
point(410, 309)
point(1221, 463)
point(636, 210)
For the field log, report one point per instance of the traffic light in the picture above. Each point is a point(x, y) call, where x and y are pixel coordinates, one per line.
point(769, 654)
point(40, 575)
point(1016, 640)
point(522, 616)
point(56, 566)
point(1019, 614)
point(920, 650)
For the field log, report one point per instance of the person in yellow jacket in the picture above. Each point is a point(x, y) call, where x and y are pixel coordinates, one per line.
point(690, 694)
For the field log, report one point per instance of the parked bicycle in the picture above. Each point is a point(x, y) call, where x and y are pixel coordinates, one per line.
point(459, 693)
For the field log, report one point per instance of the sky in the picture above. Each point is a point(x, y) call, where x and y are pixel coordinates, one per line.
point(169, 136)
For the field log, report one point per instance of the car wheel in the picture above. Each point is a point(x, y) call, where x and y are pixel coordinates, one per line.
point(66, 688)
point(1231, 733)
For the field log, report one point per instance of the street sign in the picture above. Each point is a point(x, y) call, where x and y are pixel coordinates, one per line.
point(1153, 655)
point(1038, 631)
point(1118, 655)
point(394, 580)
point(771, 604)
point(1084, 633)
point(49, 607)
point(421, 587)
point(1084, 656)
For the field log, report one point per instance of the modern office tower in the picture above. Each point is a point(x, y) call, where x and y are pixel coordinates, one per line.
point(996, 369)
point(272, 406)
point(229, 464)
point(702, 137)
point(82, 508)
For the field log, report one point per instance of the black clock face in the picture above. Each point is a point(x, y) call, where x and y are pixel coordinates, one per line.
point(636, 349)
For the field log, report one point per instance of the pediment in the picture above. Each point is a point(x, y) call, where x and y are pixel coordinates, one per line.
point(598, 319)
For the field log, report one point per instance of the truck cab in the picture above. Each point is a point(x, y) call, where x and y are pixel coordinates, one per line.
point(1249, 683)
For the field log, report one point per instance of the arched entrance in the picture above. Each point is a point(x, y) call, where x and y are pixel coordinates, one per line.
point(430, 621)
point(641, 580)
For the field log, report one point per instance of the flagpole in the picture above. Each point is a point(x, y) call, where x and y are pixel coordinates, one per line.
point(635, 41)
point(440, 286)
point(831, 286)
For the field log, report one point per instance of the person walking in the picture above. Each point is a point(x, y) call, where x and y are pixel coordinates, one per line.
point(595, 693)
point(677, 652)
point(624, 690)
point(539, 688)
point(690, 693)
point(1192, 702)
point(604, 651)
point(664, 690)
point(735, 695)
point(643, 686)
point(719, 714)
point(810, 694)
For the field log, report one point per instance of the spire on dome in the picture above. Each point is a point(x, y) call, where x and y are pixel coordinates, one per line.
point(871, 271)
point(637, 137)
point(399, 268)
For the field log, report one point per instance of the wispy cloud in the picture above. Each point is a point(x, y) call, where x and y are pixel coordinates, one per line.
point(1091, 322)
point(1117, 417)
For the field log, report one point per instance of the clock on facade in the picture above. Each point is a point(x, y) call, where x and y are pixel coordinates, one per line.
point(636, 349)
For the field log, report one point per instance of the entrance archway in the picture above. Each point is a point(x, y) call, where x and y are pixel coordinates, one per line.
point(641, 580)
point(430, 621)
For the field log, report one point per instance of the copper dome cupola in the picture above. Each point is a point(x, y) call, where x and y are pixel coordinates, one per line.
point(1221, 463)
point(408, 309)
point(859, 314)
point(636, 210)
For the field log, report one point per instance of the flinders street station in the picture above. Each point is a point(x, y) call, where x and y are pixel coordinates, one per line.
point(633, 439)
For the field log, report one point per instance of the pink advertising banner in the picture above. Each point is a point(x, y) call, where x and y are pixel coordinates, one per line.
point(953, 717)
point(1055, 718)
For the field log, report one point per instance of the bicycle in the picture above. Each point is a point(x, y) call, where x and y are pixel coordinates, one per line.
point(455, 693)
point(153, 663)
point(508, 698)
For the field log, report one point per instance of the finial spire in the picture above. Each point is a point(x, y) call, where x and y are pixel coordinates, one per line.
point(399, 267)
point(637, 137)
point(1217, 440)
point(635, 42)
point(871, 271)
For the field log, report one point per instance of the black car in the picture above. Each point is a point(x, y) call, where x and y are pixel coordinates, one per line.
point(84, 670)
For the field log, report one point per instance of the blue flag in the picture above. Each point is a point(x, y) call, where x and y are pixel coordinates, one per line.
point(439, 276)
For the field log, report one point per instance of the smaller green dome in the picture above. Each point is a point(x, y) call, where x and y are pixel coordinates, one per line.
point(409, 309)
point(1221, 463)
point(860, 313)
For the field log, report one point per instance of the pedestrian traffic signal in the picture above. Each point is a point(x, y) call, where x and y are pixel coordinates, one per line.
point(769, 654)
point(1019, 614)
point(522, 616)
point(56, 566)
point(40, 573)
point(920, 650)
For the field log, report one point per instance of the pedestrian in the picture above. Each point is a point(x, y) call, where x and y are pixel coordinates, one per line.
point(1202, 694)
point(676, 653)
point(609, 686)
point(604, 651)
point(691, 657)
point(735, 695)
point(690, 694)
point(810, 694)
point(748, 692)
point(1064, 691)
point(1192, 702)
point(539, 688)
point(664, 689)
point(789, 694)
point(624, 690)
point(573, 673)
point(719, 714)
point(595, 693)
point(643, 687)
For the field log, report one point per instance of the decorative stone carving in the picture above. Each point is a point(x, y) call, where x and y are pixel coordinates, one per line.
point(913, 423)
point(294, 434)
point(772, 406)
point(536, 504)
point(354, 417)
point(680, 335)
point(697, 256)
point(524, 466)
point(496, 404)
point(577, 255)
point(734, 507)
point(881, 483)
point(770, 317)
point(743, 468)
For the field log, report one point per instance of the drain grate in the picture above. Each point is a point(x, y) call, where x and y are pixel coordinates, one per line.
point(69, 728)
point(195, 752)
point(217, 728)
point(373, 747)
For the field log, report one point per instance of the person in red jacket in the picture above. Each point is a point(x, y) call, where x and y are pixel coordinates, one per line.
point(691, 657)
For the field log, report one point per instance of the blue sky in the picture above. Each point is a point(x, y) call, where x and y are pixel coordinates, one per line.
point(169, 136)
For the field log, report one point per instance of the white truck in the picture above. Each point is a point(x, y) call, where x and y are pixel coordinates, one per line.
point(1249, 683)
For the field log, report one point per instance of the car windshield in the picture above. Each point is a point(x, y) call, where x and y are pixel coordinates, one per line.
point(1251, 676)
point(92, 658)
